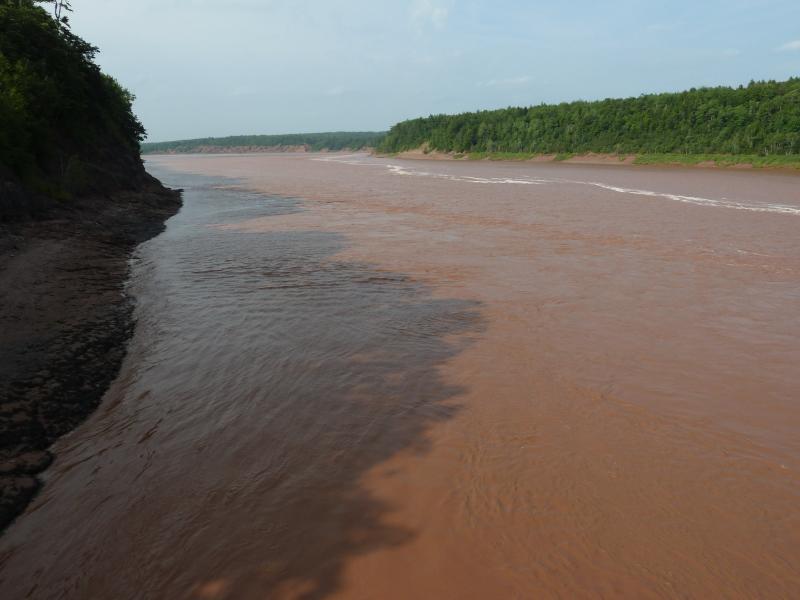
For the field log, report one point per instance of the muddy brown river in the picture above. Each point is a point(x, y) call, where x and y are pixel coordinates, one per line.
point(357, 377)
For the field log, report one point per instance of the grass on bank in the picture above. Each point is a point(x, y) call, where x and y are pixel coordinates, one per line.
point(722, 160)
point(791, 161)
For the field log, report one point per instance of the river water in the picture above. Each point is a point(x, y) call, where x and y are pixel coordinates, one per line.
point(356, 377)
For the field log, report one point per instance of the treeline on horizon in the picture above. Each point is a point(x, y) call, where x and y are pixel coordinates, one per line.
point(334, 140)
point(65, 126)
point(762, 118)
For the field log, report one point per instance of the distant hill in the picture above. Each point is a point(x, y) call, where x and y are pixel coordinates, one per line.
point(762, 118)
point(336, 140)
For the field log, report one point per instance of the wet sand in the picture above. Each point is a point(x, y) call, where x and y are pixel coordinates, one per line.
point(373, 378)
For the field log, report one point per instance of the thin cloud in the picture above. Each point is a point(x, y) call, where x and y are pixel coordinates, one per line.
point(793, 46)
point(430, 12)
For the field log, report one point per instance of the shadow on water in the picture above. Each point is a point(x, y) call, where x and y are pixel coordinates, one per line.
point(285, 375)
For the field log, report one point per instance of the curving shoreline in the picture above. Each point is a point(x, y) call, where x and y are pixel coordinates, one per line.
point(691, 161)
point(64, 323)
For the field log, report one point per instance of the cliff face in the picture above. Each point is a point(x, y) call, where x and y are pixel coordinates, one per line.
point(15, 200)
point(67, 130)
point(75, 200)
point(101, 180)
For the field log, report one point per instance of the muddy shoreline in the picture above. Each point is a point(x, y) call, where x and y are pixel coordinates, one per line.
point(591, 159)
point(64, 323)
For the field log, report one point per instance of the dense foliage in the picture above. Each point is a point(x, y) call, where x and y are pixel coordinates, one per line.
point(60, 116)
point(762, 118)
point(337, 140)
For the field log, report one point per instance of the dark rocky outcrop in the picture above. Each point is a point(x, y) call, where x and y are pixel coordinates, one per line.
point(64, 317)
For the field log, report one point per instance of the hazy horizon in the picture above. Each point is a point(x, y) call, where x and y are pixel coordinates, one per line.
point(207, 68)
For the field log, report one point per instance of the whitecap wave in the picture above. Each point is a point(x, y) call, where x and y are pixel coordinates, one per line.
point(394, 169)
point(698, 200)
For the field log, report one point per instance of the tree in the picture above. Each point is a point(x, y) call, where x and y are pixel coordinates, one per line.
point(58, 110)
point(761, 118)
point(60, 10)
point(62, 7)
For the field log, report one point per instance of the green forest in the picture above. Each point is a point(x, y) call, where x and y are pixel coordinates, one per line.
point(762, 119)
point(65, 126)
point(336, 140)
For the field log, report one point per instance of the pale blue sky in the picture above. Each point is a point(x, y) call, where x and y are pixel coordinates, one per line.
point(224, 67)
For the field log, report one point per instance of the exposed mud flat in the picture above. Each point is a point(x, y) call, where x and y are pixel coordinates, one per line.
point(357, 377)
point(64, 322)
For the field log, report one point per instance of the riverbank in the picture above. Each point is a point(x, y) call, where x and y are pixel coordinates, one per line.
point(211, 149)
point(789, 163)
point(218, 149)
point(64, 322)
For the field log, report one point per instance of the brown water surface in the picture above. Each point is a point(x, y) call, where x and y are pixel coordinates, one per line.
point(356, 377)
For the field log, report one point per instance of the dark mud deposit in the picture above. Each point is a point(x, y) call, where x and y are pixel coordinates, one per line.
point(64, 323)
